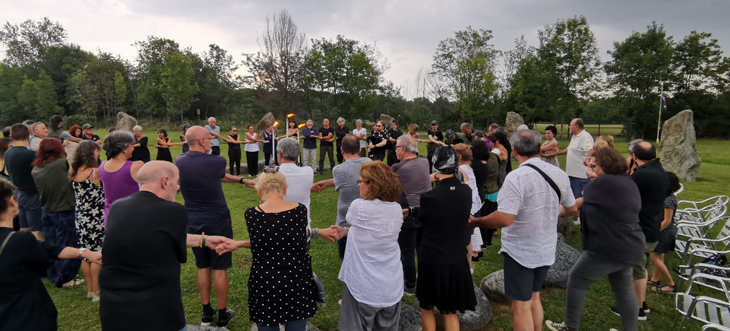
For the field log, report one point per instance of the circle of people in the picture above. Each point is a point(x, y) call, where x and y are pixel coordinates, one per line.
point(68, 207)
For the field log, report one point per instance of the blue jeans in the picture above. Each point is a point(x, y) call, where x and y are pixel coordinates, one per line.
point(185, 328)
point(298, 325)
point(577, 185)
point(29, 211)
point(60, 229)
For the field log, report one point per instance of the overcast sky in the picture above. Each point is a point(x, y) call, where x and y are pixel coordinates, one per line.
point(406, 31)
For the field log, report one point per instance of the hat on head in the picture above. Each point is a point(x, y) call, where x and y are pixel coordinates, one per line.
point(479, 133)
point(434, 122)
point(450, 133)
point(87, 126)
point(445, 160)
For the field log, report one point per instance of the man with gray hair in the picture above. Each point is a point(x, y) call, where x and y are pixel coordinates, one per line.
point(529, 205)
point(38, 132)
point(340, 132)
point(309, 134)
point(580, 143)
point(215, 135)
point(414, 176)
point(467, 131)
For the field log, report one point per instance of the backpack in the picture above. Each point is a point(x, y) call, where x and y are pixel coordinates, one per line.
point(718, 260)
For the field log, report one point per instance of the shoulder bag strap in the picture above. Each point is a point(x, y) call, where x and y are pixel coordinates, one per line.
point(548, 179)
point(5, 242)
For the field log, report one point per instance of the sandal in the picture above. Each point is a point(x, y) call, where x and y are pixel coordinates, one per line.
point(73, 283)
point(665, 289)
point(652, 283)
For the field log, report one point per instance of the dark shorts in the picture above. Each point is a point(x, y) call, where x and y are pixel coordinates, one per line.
point(577, 185)
point(521, 282)
point(29, 211)
point(205, 257)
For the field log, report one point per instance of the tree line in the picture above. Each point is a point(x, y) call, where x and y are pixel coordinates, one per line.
point(468, 80)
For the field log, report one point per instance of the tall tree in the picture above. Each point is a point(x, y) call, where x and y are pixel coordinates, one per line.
point(11, 81)
point(699, 64)
point(150, 63)
point(178, 90)
point(47, 103)
point(568, 57)
point(97, 87)
point(279, 66)
point(467, 63)
point(639, 66)
point(27, 42)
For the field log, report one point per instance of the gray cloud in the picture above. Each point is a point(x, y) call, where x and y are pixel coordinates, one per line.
point(406, 31)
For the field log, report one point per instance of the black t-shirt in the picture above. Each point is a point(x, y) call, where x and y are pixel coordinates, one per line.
point(444, 214)
point(93, 138)
point(200, 185)
point(17, 163)
point(144, 245)
point(141, 153)
point(324, 133)
point(341, 133)
point(394, 134)
point(651, 180)
point(24, 302)
point(481, 172)
point(456, 140)
point(432, 147)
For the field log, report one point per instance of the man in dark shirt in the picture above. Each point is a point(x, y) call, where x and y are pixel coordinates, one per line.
point(310, 135)
point(18, 161)
point(452, 139)
point(340, 132)
point(651, 180)
point(201, 175)
point(435, 140)
point(468, 133)
point(393, 135)
point(89, 134)
point(326, 136)
point(413, 175)
point(145, 243)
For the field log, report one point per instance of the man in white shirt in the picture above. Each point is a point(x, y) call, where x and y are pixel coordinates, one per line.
point(299, 182)
point(361, 134)
point(529, 207)
point(577, 151)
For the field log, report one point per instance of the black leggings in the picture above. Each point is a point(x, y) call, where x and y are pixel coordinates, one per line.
point(252, 160)
point(234, 158)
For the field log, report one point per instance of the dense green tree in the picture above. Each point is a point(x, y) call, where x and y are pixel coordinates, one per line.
point(178, 90)
point(46, 101)
point(467, 63)
point(11, 82)
point(150, 64)
point(99, 88)
point(640, 65)
point(699, 64)
point(26, 43)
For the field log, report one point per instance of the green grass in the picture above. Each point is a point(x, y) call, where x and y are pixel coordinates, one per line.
point(78, 313)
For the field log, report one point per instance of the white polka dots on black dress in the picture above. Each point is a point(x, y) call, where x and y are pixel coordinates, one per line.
point(280, 283)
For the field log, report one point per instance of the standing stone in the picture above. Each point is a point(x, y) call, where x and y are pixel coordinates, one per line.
point(470, 320)
point(678, 147)
point(265, 121)
point(512, 122)
point(386, 119)
point(493, 286)
point(565, 258)
point(125, 122)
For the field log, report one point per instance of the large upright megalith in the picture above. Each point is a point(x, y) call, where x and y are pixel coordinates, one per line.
point(512, 122)
point(125, 121)
point(677, 148)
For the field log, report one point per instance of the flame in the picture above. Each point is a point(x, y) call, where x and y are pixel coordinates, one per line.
point(301, 125)
point(276, 123)
point(290, 115)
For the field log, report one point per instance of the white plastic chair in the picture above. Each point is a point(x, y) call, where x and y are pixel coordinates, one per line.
point(714, 327)
point(693, 238)
point(702, 308)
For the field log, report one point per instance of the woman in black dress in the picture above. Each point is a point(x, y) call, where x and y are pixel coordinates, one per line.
point(444, 280)
point(234, 150)
point(163, 146)
point(281, 289)
point(141, 152)
point(26, 305)
point(184, 142)
point(377, 141)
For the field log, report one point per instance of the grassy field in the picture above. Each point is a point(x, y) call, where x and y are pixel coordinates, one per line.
point(78, 313)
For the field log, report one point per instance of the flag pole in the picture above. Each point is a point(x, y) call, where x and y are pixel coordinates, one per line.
point(659, 123)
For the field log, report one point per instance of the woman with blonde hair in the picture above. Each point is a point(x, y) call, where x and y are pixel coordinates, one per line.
point(413, 131)
point(281, 290)
point(468, 178)
point(377, 141)
point(370, 297)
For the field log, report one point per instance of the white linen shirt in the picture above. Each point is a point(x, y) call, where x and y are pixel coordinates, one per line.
point(357, 134)
point(531, 238)
point(578, 149)
point(299, 182)
point(372, 268)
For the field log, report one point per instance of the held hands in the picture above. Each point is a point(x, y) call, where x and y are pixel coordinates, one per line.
point(472, 222)
point(318, 186)
point(231, 245)
point(333, 233)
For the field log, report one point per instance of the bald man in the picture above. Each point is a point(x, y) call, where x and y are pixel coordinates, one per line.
point(144, 245)
point(201, 175)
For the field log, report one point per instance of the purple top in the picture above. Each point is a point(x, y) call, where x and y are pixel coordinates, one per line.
point(117, 185)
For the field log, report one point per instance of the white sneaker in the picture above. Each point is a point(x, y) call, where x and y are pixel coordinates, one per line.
point(577, 221)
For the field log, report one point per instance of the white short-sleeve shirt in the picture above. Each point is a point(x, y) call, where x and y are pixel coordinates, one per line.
point(299, 182)
point(372, 268)
point(363, 132)
point(531, 238)
point(578, 149)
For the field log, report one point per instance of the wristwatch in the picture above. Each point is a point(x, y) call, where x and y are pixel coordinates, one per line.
point(240, 180)
point(81, 251)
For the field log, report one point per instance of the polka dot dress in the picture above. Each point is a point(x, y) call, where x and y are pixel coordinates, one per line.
point(280, 285)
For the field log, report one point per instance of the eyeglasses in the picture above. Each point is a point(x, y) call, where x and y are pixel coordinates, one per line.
point(593, 166)
point(271, 169)
point(399, 146)
point(377, 126)
point(234, 130)
point(362, 181)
